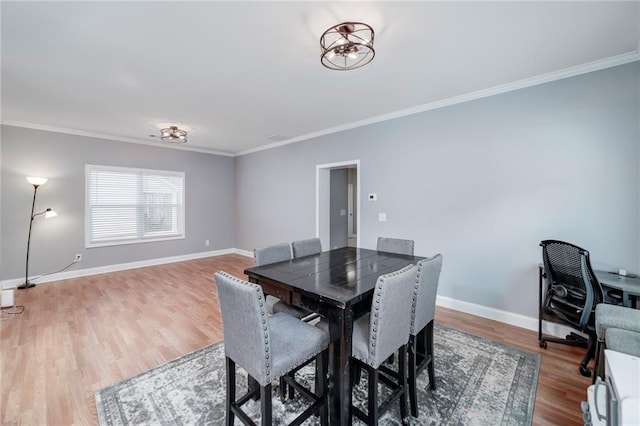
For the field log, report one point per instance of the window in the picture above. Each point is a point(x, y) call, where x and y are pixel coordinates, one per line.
point(125, 206)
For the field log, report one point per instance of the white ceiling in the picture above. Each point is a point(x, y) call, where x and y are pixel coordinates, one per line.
point(236, 73)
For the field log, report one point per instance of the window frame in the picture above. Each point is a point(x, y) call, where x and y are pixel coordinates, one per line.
point(139, 238)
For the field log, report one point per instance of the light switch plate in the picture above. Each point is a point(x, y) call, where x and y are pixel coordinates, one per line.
point(382, 217)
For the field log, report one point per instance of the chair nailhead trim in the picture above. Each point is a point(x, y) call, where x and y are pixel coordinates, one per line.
point(267, 340)
point(263, 313)
point(376, 311)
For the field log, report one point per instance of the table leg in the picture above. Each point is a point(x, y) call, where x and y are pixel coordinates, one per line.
point(340, 333)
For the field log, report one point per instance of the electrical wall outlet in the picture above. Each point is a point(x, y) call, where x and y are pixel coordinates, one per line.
point(78, 258)
point(206, 243)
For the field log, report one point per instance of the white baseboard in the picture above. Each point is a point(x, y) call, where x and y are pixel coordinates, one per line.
point(447, 302)
point(506, 317)
point(13, 283)
point(245, 253)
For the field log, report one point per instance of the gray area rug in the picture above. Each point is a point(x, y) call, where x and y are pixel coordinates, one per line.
point(478, 382)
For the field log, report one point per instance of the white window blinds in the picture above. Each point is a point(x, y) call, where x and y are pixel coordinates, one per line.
point(125, 205)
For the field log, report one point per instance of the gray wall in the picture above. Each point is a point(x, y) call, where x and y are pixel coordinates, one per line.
point(338, 202)
point(482, 182)
point(209, 195)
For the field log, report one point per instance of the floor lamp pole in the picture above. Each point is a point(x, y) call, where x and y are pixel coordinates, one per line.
point(27, 284)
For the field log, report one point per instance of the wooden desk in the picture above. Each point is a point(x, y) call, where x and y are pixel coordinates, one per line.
point(337, 284)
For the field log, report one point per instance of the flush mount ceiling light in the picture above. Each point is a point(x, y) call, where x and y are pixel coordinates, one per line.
point(174, 135)
point(347, 46)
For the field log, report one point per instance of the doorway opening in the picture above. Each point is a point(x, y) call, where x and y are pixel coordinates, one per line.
point(338, 204)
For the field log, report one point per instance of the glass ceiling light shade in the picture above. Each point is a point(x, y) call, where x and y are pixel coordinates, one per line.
point(174, 135)
point(347, 46)
point(48, 213)
point(36, 181)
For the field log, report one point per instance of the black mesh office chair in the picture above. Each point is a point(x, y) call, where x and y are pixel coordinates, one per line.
point(572, 295)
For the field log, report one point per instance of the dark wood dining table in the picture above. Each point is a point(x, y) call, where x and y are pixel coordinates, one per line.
point(337, 284)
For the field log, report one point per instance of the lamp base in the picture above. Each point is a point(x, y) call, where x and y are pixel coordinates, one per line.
point(25, 285)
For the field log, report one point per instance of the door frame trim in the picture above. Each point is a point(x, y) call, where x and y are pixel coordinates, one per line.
point(322, 199)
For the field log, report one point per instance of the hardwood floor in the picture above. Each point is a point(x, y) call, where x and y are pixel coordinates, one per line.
point(79, 335)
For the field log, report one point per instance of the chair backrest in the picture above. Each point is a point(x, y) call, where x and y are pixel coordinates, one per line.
point(246, 325)
point(306, 247)
point(391, 314)
point(424, 301)
point(271, 254)
point(395, 245)
point(573, 290)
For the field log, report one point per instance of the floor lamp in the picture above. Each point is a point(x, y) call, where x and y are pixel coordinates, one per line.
point(48, 213)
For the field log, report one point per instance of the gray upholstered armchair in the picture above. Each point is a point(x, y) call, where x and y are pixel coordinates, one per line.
point(625, 341)
point(614, 317)
point(267, 348)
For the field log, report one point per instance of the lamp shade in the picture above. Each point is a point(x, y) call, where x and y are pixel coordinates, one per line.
point(37, 181)
point(49, 214)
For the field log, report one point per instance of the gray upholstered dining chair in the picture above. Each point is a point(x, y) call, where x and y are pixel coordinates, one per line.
point(308, 247)
point(612, 317)
point(395, 245)
point(267, 255)
point(421, 331)
point(382, 332)
point(267, 348)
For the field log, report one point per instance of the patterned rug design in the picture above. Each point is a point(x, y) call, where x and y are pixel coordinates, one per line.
point(478, 382)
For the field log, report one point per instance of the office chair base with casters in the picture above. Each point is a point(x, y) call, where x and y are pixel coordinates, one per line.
point(577, 340)
point(571, 339)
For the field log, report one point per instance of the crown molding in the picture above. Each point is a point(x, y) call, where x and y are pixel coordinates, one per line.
point(598, 65)
point(76, 132)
